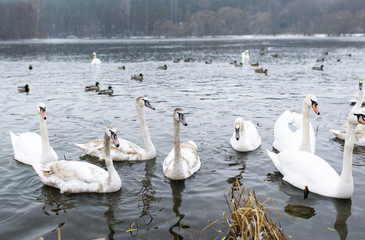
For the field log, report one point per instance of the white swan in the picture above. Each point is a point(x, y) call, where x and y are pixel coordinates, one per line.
point(183, 160)
point(127, 151)
point(359, 96)
point(29, 147)
point(78, 177)
point(304, 169)
point(245, 56)
point(95, 60)
point(245, 136)
point(360, 129)
point(303, 138)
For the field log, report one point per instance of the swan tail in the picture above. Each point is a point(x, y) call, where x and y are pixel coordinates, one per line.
point(81, 146)
point(14, 139)
point(193, 143)
point(274, 157)
point(337, 133)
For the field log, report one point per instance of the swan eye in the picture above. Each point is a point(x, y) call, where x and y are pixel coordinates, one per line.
point(360, 118)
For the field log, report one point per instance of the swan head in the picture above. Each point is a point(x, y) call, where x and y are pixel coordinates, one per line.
point(143, 101)
point(41, 110)
point(112, 133)
point(355, 117)
point(238, 125)
point(94, 54)
point(360, 83)
point(312, 102)
point(179, 116)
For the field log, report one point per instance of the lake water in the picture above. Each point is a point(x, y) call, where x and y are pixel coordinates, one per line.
point(212, 95)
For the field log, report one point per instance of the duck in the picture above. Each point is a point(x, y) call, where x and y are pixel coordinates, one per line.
point(245, 137)
point(83, 177)
point(233, 62)
point(245, 56)
point(255, 64)
point(303, 137)
point(30, 147)
point(92, 87)
point(176, 60)
point(24, 88)
point(187, 59)
point(164, 67)
point(261, 70)
point(275, 55)
point(320, 60)
point(30, 67)
point(108, 91)
point(183, 160)
point(137, 77)
point(121, 67)
point(304, 169)
point(208, 61)
point(127, 151)
point(95, 60)
point(238, 65)
point(318, 68)
point(360, 129)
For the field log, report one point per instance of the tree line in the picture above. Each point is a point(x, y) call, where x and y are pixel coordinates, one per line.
point(177, 18)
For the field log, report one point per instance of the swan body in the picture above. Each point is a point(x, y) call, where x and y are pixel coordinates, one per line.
point(183, 160)
point(127, 151)
point(303, 137)
point(304, 169)
point(245, 56)
point(95, 61)
point(360, 129)
point(245, 136)
point(30, 147)
point(78, 177)
point(92, 87)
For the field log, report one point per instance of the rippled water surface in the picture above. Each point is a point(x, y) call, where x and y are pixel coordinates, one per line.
point(212, 96)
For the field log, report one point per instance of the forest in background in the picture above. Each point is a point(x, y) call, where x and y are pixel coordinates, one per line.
point(23, 19)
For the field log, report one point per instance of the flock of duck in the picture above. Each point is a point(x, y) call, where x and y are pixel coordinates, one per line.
point(295, 157)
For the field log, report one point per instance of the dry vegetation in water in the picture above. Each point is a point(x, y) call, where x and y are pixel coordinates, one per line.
point(248, 218)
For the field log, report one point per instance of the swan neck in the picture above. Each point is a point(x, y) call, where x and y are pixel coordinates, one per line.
point(45, 141)
point(177, 148)
point(359, 100)
point(145, 132)
point(347, 154)
point(108, 159)
point(305, 144)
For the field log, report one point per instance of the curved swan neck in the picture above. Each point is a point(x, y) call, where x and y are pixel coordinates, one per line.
point(305, 144)
point(347, 154)
point(177, 148)
point(145, 132)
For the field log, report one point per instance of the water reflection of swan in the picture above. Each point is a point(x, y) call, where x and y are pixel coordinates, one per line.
point(305, 208)
point(177, 188)
point(303, 138)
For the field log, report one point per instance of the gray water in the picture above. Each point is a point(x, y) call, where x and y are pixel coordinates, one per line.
point(212, 96)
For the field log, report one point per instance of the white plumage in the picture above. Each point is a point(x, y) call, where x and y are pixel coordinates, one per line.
point(303, 137)
point(95, 60)
point(245, 136)
point(78, 177)
point(183, 160)
point(29, 147)
point(127, 151)
point(304, 169)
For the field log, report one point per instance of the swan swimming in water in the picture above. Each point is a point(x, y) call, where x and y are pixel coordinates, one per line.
point(183, 160)
point(79, 177)
point(29, 147)
point(245, 56)
point(95, 60)
point(304, 169)
point(303, 138)
point(127, 151)
point(245, 136)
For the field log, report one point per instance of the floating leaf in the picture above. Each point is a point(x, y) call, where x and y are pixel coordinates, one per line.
point(331, 229)
point(130, 230)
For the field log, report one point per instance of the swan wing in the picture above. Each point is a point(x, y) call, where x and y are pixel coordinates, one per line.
point(73, 176)
point(284, 137)
point(27, 147)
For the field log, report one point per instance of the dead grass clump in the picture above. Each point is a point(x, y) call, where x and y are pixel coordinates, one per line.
point(250, 219)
